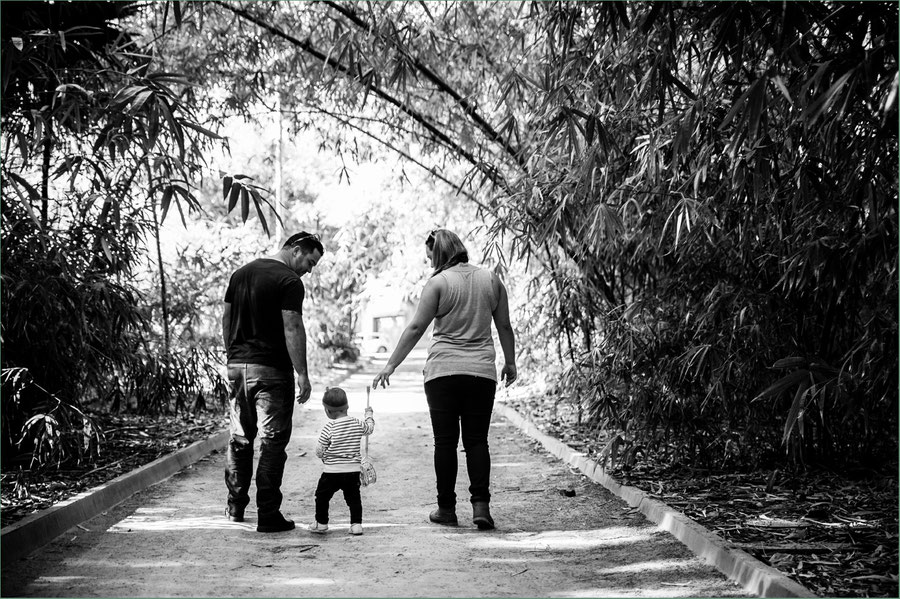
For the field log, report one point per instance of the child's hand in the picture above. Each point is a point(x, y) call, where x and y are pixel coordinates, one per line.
point(369, 412)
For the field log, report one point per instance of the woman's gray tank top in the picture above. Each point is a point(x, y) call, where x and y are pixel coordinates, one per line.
point(461, 341)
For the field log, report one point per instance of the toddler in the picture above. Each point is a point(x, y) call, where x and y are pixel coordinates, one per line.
point(338, 447)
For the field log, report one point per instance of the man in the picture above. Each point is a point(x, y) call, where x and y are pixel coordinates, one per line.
point(266, 344)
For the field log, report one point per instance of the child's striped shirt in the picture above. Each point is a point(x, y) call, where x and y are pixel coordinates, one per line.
point(338, 444)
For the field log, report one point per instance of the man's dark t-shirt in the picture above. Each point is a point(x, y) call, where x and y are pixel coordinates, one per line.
point(258, 292)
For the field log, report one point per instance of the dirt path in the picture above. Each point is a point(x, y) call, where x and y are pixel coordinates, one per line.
point(172, 539)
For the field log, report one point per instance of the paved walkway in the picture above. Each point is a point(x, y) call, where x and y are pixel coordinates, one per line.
point(172, 539)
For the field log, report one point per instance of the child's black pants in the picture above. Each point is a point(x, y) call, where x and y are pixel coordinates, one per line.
point(329, 484)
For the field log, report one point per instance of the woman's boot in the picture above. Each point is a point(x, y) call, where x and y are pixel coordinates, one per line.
point(481, 515)
point(444, 515)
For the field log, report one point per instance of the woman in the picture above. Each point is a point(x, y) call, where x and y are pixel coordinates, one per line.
point(460, 372)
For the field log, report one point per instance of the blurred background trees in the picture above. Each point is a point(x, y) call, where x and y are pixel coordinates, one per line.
point(694, 203)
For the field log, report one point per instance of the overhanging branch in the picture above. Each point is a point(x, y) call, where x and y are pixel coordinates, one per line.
point(442, 86)
point(458, 187)
point(438, 135)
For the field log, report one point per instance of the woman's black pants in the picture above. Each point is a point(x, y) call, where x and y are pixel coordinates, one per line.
point(461, 404)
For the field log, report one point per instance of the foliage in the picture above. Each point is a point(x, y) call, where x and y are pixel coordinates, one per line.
point(64, 328)
point(708, 189)
point(358, 252)
point(179, 381)
point(735, 210)
point(56, 430)
point(95, 140)
point(704, 193)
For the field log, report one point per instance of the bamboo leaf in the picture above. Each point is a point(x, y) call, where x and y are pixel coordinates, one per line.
point(779, 83)
point(165, 202)
point(139, 101)
point(33, 195)
point(820, 106)
point(233, 197)
point(104, 243)
point(795, 414)
point(181, 214)
point(23, 145)
point(125, 95)
point(783, 384)
point(678, 222)
point(169, 78)
point(245, 204)
point(174, 127)
point(200, 129)
point(684, 88)
point(738, 105)
point(792, 362)
point(756, 103)
point(226, 187)
point(259, 212)
point(38, 132)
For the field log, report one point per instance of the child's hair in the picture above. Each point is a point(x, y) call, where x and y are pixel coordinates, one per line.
point(334, 397)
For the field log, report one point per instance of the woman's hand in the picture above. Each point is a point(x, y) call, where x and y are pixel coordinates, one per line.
point(383, 377)
point(509, 374)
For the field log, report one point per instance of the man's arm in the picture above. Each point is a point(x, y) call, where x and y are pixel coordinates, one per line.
point(226, 325)
point(505, 333)
point(295, 337)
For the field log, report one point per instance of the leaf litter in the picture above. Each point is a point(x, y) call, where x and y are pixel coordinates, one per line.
point(835, 533)
point(131, 441)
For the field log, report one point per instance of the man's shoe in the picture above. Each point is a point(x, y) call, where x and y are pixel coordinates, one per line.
point(274, 523)
point(356, 529)
point(234, 515)
point(481, 515)
point(317, 528)
point(444, 516)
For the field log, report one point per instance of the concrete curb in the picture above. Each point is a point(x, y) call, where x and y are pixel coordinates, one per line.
point(36, 530)
point(739, 566)
point(39, 528)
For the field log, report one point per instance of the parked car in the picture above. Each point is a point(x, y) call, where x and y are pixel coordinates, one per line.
point(371, 344)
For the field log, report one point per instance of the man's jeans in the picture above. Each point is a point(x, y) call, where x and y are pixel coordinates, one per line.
point(262, 399)
point(461, 404)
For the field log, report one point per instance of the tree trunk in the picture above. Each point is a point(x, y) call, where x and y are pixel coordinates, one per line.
point(278, 208)
point(164, 299)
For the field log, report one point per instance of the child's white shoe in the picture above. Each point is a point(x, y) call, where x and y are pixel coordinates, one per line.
point(356, 529)
point(318, 528)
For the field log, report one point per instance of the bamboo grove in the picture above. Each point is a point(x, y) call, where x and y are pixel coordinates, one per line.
point(705, 193)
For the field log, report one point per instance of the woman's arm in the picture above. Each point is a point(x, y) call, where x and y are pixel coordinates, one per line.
point(505, 332)
point(425, 313)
